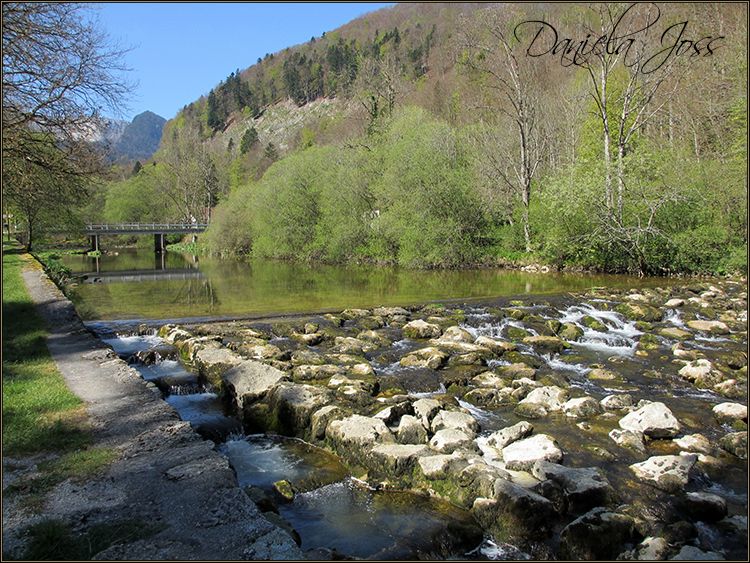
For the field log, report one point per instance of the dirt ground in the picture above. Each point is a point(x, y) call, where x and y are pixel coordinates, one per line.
point(165, 474)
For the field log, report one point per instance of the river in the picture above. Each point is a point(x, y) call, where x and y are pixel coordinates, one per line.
point(138, 285)
point(116, 293)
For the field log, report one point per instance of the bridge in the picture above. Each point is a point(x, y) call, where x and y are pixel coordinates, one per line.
point(159, 230)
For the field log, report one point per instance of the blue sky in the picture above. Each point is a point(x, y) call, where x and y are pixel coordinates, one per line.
point(181, 50)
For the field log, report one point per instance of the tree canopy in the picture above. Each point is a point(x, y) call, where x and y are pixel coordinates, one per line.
point(60, 73)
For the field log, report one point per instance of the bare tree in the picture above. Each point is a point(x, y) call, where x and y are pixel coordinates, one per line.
point(484, 42)
point(60, 71)
point(187, 172)
point(378, 86)
point(627, 102)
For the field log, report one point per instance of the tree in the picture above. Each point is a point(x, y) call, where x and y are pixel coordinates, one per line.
point(188, 173)
point(60, 71)
point(489, 53)
point(249, 139)
point(41, 192)
point(379, 86)
point(270, 152)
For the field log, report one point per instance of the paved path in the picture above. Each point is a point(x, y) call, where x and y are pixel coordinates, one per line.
point(165, 474)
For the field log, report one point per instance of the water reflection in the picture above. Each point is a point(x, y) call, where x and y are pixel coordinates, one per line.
point(145, 286)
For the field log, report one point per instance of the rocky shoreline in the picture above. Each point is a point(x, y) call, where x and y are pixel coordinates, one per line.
point(588, 463)
point(165, 476)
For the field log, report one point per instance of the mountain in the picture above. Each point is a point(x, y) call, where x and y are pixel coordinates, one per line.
point(140, 138)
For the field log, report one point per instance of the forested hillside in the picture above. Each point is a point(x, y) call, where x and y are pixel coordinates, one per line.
point(611, 137)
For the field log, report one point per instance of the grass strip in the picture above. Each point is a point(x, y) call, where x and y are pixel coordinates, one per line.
point(40, 413)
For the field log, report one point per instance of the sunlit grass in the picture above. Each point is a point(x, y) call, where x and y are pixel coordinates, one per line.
point(40, 413)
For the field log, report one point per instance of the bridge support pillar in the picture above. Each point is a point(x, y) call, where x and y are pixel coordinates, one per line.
point(159, 242)
point(94, 242)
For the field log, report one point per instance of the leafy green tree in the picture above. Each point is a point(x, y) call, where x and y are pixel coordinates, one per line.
point(136, 199)
point(430, 210)
point(43, 192)
point(510, 162)
point(287, 201)
point(188, 173)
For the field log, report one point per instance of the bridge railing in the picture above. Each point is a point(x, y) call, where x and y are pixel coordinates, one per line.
point(144, 226)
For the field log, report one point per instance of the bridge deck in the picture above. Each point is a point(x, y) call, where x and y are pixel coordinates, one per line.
point(93, 229)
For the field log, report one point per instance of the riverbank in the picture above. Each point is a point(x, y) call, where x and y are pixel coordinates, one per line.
point(165, 476)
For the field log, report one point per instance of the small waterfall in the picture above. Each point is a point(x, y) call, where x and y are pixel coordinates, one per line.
point(619, 339)
point(674, 316)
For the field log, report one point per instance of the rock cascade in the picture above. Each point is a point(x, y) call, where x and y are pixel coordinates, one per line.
point(347, 383)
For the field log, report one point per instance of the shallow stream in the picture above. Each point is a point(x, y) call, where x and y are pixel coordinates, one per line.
point(331, 510)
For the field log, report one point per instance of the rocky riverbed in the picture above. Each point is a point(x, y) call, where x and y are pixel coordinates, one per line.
point(590, 426)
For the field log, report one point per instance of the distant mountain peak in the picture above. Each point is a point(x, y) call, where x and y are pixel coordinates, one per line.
point(140, 138)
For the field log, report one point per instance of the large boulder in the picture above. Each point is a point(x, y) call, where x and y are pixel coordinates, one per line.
point(583, 488)
point(618, 401)
point(667, 472)
point(249, 381)
point(291, 405)
point(704, 507)
point(498, 347)
point(715, 327)
point(729, 413)
point(570, 331)
point(597, 535)
point(513, 508)
point(655, 420)
point(675, 333)
point(442, 466)
point(501, 438)
point(420, 329)
point(321, 418)
point(735, 443)
point(213, 361)
point(394, 463)
point(431, 358)
point(449, 440)
point(551, 398)
point(357, 433)
point(696, 443)
point(456, 334)
point(700, 372)
point(640, 312)
point(425, 410)
point(582, 407)
point(628, 439)
point(411, 430)
point(547, 343)
point(455, 419)
point(523, 454)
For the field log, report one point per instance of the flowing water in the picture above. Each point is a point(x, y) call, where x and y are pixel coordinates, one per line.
point(332, 510)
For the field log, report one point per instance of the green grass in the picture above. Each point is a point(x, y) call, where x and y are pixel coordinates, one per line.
point(40, 413)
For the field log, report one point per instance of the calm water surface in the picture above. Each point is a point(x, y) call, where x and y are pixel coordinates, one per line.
point(137, 284)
